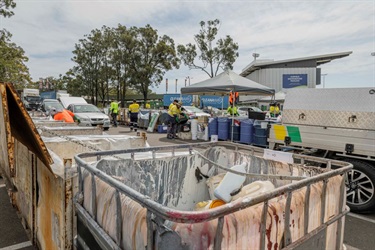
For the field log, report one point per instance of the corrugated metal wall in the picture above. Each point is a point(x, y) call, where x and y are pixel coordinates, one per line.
point(273, 78)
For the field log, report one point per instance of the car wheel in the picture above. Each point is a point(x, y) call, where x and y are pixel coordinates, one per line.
point(106, 129)
point(360, 186)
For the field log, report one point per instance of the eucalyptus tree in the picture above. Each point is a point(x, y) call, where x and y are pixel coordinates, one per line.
point(152, 56)
point(12, 62)
point(105, 43)
point(124, 47)
point(75, 83)
point(211, 57)
point(5, 8)
point(12, 57)
point(88, 56)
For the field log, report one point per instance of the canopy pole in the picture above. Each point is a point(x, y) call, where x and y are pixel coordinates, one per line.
point(233, 101)
point(222, 105)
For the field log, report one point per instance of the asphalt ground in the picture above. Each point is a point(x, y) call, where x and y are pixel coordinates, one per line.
point(359, 228)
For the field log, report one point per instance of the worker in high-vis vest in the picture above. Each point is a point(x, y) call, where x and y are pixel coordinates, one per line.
point(172, 104)
point(173, 113)
point(133, 113)
point(274, 109)
point(114, 112)
point(147, 105)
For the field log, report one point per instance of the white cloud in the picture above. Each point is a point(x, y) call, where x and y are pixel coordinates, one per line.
point(48, 31)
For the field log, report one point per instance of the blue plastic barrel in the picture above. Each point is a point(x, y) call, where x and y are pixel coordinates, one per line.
point(246, 131)
point(258, 131)
point(260, 140)
point(223, 128)
point(212, 126)
point(236, 129)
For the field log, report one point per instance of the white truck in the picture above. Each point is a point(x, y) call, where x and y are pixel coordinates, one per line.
point(31, 99)
point(337, 124)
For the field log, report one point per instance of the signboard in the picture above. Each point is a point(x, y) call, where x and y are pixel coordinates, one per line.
point(214, 101)
point(187, 100)
point(294, 80)
point(278, 156)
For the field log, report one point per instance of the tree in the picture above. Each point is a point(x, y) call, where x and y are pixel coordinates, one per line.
point(213, 58)
point(151, 58)
point(12, 62)
point(124, 47)
point(5, 6)
point(12, 59)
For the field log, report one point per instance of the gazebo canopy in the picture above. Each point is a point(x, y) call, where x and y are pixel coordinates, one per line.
point(226, 82)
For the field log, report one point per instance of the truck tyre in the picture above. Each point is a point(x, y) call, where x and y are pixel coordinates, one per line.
point(360, 186)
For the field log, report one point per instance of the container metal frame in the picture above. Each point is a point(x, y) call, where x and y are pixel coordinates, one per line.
point(161, 212)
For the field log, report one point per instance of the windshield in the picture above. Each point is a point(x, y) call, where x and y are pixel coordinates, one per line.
point(32, 98)
point(86, 109)
point(57, 105)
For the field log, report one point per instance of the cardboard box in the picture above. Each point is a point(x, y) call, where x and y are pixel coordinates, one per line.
point(202, 119)
point(184, 135)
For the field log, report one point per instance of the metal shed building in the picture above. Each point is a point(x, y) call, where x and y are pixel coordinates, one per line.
point(283, 74)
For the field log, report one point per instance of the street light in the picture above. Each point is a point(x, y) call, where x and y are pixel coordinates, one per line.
point(324, 80)
point(255, 55)
point(188, 78)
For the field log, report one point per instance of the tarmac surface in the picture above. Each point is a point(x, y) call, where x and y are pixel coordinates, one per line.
point(359, 228)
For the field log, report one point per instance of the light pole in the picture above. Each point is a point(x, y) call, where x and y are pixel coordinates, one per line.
point(255, 55)
point(373, 54)
point(324, 80)
point(188, 78)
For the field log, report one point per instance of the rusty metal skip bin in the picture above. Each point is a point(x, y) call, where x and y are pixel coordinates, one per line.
point(146, 199)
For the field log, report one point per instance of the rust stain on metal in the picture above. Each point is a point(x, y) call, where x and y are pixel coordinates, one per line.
point(8, 141)
point(20, 125)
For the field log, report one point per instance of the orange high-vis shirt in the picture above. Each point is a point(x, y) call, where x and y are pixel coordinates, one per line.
point(64, 116)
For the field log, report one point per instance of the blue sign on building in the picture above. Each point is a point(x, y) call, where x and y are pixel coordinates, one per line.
point(187, 100)
point(294, 80)
point(214, 101)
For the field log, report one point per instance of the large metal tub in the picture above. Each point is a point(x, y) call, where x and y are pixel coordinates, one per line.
point(149, 202)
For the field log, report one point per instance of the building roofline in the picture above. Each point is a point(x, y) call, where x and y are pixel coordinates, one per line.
point(320, 59)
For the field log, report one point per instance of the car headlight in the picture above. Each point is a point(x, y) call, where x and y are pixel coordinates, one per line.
point(106, 119)
point(84, 119)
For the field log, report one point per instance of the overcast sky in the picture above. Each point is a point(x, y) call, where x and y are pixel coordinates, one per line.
point(280, 30)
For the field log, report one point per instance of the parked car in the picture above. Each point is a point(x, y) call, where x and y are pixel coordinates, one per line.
point(213, 111)
point(192, 111)
point(90, 115)
point(47, 104)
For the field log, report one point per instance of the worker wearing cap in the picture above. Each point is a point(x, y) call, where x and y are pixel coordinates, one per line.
point(172, 104)
point(173, 113)
point(133, 113)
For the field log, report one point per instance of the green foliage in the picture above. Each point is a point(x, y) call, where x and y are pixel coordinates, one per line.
point(12, 57)
point(213, 58)
point(5, 6)
point(113, 61)
point(12, 62)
